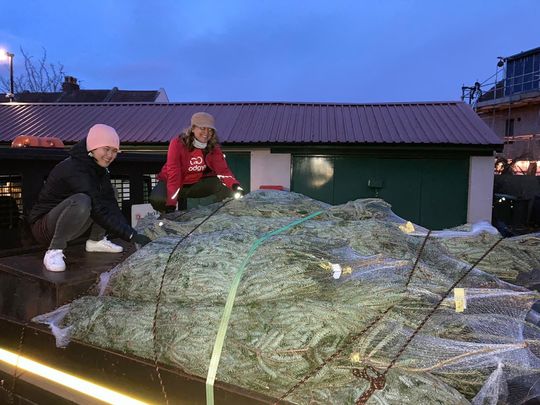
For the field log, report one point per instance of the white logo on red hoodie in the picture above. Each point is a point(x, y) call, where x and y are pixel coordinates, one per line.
point(196, 164)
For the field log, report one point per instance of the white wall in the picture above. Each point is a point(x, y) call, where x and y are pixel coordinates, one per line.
point(480, 200)
point(162, 96)
point(270, 169)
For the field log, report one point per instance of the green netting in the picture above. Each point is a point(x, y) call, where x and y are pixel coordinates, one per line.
point(310, 292)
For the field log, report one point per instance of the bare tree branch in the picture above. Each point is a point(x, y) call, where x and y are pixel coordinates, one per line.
point(38, 76)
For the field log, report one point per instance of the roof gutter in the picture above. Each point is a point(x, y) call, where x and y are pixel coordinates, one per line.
point(392, 149)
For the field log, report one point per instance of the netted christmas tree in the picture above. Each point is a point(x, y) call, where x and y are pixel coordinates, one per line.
point(353, 301)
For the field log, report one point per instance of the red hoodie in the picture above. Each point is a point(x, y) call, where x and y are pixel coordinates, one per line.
point(185, 167)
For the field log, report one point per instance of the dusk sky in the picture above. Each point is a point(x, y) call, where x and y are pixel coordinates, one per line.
point(253, 50)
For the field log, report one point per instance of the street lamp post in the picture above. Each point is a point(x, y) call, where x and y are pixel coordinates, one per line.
point(10, 56)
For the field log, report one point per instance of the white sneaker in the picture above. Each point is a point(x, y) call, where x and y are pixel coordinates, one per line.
point(54, 260)
point(103, 245)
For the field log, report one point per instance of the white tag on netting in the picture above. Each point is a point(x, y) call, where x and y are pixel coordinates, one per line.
point(336, 270)
point(460, 299)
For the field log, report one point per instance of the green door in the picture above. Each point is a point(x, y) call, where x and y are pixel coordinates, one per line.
point(240, 165)
point(352, 179)
point(402, 186)
point(445, 184)
point(314, 176)
point(428, 192)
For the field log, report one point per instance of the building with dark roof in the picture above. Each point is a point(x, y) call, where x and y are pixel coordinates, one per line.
point(432, 161)
point(72, 93)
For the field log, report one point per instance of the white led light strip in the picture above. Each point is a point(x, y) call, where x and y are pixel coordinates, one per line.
point(66, 380)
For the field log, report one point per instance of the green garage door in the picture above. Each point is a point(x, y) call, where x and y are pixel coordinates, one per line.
point(429, 192)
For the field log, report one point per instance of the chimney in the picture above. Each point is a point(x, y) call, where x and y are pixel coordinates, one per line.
point(70, 84)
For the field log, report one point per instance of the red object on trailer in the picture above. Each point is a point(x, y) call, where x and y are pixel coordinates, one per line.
point(31, 141)
point(271, 187)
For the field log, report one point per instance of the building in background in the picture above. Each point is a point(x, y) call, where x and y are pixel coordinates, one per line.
point(512, 110)
point(72, 93)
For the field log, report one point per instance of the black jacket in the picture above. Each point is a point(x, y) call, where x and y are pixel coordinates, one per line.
point(79, 173)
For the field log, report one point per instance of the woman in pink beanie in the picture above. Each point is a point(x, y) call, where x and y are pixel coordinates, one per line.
point(78, 195)
point(195, 168)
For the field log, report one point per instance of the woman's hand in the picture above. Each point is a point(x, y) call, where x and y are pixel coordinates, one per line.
point(238, 192)
point(169, 209)
point(140, 239)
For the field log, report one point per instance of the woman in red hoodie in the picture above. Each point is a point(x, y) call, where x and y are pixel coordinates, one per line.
point(195, 168)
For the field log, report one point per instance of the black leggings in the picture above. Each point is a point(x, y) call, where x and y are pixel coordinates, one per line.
point(205, 187)
point(67, 221)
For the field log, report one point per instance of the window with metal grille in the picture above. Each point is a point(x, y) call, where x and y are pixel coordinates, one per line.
point(149, 182)
point(121, 185)
point(11, 205)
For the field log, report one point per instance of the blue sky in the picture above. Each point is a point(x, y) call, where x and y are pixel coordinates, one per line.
point(255, 50)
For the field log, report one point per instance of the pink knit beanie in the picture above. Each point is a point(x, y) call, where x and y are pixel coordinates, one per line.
point(102, 135)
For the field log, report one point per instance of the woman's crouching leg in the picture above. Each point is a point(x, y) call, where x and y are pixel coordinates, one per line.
point(69, 220)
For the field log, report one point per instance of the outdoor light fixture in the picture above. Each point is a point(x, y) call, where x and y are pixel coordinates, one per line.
point(9, 56)
point(501, 61)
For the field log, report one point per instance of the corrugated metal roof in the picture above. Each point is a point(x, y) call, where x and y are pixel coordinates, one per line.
point(269, 123)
